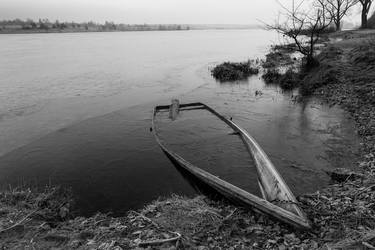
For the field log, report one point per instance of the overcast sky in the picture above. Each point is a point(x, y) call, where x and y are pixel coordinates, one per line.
point(145, 11)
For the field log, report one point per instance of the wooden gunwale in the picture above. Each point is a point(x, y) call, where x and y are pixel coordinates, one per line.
point(272, 185)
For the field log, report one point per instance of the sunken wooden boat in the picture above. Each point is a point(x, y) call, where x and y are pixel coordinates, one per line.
point(278, 201)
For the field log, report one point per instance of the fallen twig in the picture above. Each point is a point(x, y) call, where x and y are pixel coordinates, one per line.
point(229, 215)
point(368, 245)
point(352, 242)
point(225, 219)
point(365, 190)
point(146, 218)
point(159, 242)
point(100, 221)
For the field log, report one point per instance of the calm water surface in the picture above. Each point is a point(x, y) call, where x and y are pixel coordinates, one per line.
point(75, 110)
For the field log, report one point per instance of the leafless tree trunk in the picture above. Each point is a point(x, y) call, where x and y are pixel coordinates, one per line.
point(366, 5)
point(304, 27)
point(337, 9)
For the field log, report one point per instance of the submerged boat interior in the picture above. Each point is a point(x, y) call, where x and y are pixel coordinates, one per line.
point(226, 158)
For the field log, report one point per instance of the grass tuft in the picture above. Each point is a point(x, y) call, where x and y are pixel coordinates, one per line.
point(229, 71)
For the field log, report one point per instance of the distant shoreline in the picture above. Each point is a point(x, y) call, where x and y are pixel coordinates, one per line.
point(110, 31)
point(71, 31)
point(29, 26)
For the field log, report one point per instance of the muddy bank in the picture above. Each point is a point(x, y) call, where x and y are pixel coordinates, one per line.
point(342, 214)
point(173, 223)
point(36, 221)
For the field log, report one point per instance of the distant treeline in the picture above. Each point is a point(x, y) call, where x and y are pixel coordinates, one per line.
point(45, 25)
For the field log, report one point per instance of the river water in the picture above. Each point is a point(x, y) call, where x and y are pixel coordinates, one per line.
point(76, 110)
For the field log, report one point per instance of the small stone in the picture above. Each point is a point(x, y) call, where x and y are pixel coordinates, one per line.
point(63, 212)
point(292, 238)
point(313, 244)
point(282, 247)
point(272, 241)
point(149, 233)
point(75, 243)
point(137, 233)
point(304, 246)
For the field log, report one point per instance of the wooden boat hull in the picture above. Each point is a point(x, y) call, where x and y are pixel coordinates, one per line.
point(278, 201)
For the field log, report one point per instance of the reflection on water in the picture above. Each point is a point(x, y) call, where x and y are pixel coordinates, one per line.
point(67, 78)
point(302, 139)
point(67, 131)
point(112, 162)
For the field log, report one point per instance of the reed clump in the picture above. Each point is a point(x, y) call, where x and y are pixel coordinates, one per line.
point(232, 71)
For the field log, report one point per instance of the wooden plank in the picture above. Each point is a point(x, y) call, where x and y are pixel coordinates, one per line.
point(166, 107)
point(272, 183)
point(174, 109)
point(240, 195)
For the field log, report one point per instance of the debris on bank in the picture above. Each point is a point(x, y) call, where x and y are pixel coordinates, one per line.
point(173, 223)
point(229, 71)
point(342, 215)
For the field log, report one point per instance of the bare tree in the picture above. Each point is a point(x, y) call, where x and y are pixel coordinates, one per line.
point(304, 26)
point(366, 5)
point(337, 9)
